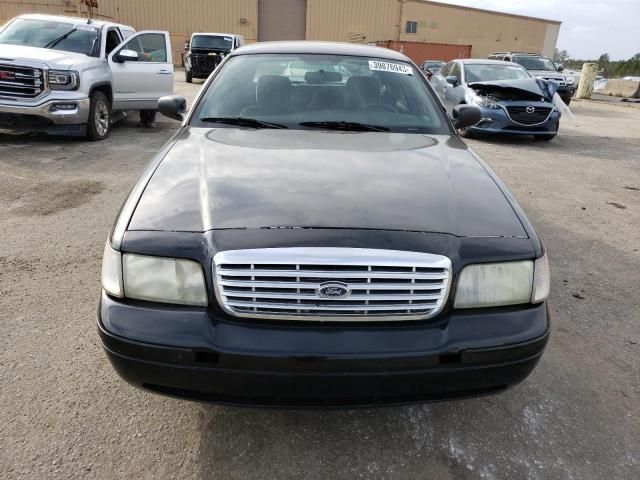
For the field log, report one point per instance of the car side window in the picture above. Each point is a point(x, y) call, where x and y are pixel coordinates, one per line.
point(151, 47)
point(455, 71)
point(112, 41)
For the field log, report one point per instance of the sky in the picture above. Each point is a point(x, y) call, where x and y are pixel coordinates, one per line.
point(589, 27)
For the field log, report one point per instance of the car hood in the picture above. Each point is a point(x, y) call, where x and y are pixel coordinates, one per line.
point(232, 178)
point(525, 86)
point(56, 59)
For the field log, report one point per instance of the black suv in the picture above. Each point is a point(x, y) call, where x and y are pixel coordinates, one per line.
point(541, 67)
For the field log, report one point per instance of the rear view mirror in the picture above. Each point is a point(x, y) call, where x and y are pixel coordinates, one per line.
point(465, 116)
point(560, 68)
point(126, 56)
point(452, 79)
point(173, 106)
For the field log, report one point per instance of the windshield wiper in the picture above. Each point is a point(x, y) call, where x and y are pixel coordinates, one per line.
point(57, 40)
point(345, 126)
point(242, 122)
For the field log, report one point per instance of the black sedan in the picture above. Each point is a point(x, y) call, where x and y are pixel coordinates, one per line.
point(325, 239)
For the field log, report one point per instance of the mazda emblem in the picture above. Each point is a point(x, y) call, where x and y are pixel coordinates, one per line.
point(531, 109)
point(333, 290)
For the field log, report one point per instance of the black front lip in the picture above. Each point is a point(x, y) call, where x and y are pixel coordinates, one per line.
point(281, 365)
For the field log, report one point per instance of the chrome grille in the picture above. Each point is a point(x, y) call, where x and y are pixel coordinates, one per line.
point(285, 283)
point(519, 114)
point(20, 82)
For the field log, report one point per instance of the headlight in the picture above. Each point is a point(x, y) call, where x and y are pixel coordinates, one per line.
point(157, 279)
point(495, 284)
point(63, 80)
point(541, 280)
point(481, 101)
point(167, 280)
point(570, 80)
point(112, 271)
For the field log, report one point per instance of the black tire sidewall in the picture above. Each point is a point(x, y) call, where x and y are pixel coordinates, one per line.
point(92, 133)
point(189, 77)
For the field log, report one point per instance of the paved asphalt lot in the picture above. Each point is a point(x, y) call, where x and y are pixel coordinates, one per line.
point(65, 414)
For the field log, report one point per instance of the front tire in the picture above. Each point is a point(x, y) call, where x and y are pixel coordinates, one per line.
point(99, 125)
point(566, 100)
point(466, 133)
point(188, 75)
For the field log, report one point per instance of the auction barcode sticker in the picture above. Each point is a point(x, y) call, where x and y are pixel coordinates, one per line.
point(390, 67)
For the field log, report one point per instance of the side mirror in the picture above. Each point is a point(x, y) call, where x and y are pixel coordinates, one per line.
point(186, 45)
point(428, 73)
point(560, 68)
point(173, 106)
point(126, 56)
point(465, 116)
point(453, 80)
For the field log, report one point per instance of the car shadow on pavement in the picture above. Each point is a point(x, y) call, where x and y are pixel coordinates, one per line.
point(448, 441)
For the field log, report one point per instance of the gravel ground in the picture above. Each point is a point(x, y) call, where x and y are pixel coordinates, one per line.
point(65, 414)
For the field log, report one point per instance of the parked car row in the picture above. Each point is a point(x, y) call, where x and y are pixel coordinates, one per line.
point(513, 99)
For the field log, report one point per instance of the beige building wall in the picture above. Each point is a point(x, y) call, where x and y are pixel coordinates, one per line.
point(486, 32)
point(358, 21)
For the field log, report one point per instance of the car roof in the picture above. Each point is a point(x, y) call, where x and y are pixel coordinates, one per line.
point(69, 20)
point(325, 48)
point(215, 33)
point(483, 61)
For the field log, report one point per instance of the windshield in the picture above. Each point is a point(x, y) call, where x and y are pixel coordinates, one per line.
point(535, 63)
point(486, 72)
point(54, 35)
point(211, 41)
point(315, 91)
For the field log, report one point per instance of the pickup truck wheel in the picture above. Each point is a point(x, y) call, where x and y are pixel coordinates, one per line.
point(189, 78)
point(566, 100)
point(99, 125)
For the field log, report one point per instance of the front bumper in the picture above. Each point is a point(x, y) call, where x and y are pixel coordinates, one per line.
point(189, 353)
point(497, 120)
point(46, 113)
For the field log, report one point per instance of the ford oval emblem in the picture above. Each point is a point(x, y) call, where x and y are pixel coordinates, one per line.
point(333, 290)
point(531, 109)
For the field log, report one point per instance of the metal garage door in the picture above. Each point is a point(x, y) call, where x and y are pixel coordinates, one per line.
point(282, 20)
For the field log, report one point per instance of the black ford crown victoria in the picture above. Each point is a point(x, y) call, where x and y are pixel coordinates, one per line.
point(321, 237)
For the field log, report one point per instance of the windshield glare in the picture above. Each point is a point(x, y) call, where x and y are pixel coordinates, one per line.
point(294, 89)
point(43, 33)
point(493, 72)
point(210, 41)
point(535, 63)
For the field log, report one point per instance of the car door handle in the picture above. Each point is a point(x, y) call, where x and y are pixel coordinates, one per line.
point(164, 72)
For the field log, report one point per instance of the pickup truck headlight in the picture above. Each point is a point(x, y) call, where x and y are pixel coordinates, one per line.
point(156, 279)
point(500, 284)
point(63, 80)
point(570, 80)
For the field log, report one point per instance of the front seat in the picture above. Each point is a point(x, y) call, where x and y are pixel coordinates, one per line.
point(363, 91)
point(272, 96)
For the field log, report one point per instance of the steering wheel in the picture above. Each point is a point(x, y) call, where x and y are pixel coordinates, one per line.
point(378, 107)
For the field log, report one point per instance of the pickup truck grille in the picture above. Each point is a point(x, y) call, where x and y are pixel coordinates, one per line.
point(331, 284)
point(559, 80)
point(20, 82)
point(527, 117)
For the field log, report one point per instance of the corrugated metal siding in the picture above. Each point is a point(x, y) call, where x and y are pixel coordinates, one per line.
point(360, 21)
point(419, 52)
point(487, 32)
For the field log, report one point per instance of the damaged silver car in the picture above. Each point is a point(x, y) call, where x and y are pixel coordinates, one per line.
point(511, 100)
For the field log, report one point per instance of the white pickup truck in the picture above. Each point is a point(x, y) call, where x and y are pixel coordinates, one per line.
point(75, 76)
